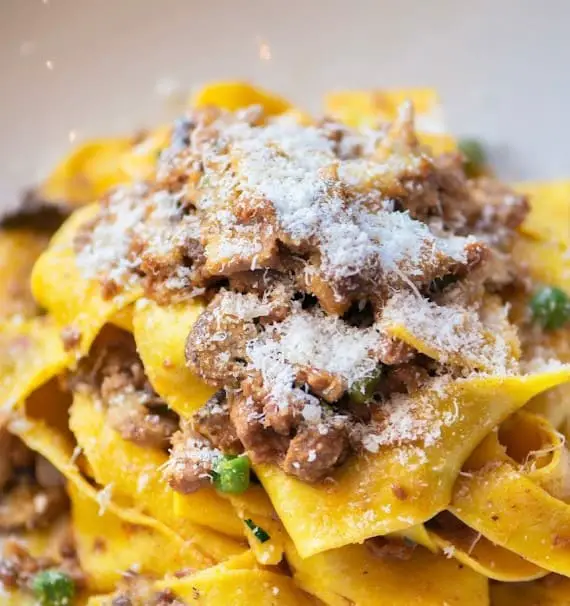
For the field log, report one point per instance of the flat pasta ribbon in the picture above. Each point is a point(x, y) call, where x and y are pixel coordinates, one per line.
point(467, 546)
point(31, 353)
point(353, 575)
point(239, 577)
point(75, 302)
point(546, 262)
point(16, 597)
point(364, 109)
point(504, 493)
point(553, 590)
point(59, 450)
point(549, 217)
point(254, 505)
point(98, 165)
point(135, 473)
point(124, 318)
point(232, 96)
point(554, 404)
point(160, 333)
point(19, 249)
point(362, 502)
point(540, 450)
point(357, 108)
point(108, 545)
point(474, 340)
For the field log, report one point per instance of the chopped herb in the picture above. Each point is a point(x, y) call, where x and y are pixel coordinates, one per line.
point(361, 391)
point(258, 532)
point(53, 588)
point(231, 474)
point(550, 307)
point(474, 157)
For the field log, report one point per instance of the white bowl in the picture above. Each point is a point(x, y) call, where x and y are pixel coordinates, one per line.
point(71, 69)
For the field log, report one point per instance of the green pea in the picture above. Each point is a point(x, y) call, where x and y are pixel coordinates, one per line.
point(361, 391)
point(550, 307)
point(475, 157)
point(231, 474)
point(53, 588)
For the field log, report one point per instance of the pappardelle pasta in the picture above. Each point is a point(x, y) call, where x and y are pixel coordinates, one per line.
point(271, 359)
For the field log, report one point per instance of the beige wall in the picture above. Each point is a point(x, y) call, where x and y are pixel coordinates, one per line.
point(501, 66)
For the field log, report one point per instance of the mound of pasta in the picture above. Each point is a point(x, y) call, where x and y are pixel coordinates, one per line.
point(261, 358)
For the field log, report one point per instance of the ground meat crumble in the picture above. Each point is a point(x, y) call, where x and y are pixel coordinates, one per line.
point(114, 373)
point(138, 590)
point(300, 239)
point(32, 492)
point(32, 496)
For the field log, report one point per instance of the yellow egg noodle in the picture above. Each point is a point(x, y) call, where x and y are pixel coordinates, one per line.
point(267, 359)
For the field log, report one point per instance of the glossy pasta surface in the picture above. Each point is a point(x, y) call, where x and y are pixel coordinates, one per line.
point(272, 359)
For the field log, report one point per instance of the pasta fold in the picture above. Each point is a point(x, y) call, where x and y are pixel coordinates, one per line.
point(75, 302)
point(550, 591)
point(362, 501)
point(160, 333)
point(503, 487)
point(109, 544)
point(549, 217)
point(31, 353)
point(135, 474)
point(98, 165)
point(238, 95)
point(469, 547)
point(353, 575)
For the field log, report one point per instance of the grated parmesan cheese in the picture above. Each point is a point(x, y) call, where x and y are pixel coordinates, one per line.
point(134, 214)
point(449, 333)
point(104, 497)
point(311, 339)
point(296, 170)
point(408, 419)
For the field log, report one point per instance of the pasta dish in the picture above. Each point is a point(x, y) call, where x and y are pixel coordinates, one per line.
point(260, 358)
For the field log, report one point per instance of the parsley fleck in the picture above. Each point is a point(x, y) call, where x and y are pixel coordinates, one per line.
point(258, 532)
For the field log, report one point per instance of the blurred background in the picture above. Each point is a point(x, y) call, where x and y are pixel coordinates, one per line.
point(71, 69)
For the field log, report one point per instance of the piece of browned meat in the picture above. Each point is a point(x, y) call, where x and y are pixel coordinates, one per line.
point(137, 590)
point(213, 422)
point(498, 206)
point(391, 549)
point(142, 424)
point(262, 444)
point(115, 373)
point(17, 566)
point(27, 506)
point(32, 492)
point(404, 378)
point(466, 205)
point(317, 449)
point(216, 345)
point(192, 459)
point(324, 384)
